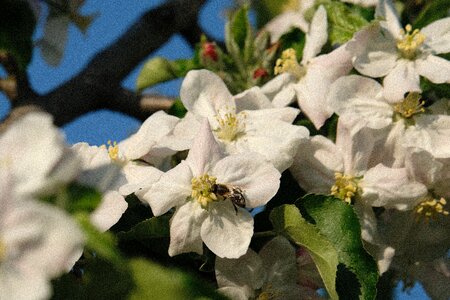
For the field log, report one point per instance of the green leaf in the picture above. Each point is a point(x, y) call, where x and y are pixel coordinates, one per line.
point(159, 69)
point(343, 20)
point(17, 23)
point(156, 282)
point(156, 227)
point(435, 10)
point(287, 221)
point(339, 224)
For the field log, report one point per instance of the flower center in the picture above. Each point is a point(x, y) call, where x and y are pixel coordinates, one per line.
point(410, 42)
point(288, 63)
point(345, 187)
point(430, 209)
point(113, 150)
point(231, 126)
point(202, 189)
point(114, 153)
point(410, 106)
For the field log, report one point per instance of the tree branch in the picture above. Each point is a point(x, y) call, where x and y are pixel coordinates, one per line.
point(98, 86)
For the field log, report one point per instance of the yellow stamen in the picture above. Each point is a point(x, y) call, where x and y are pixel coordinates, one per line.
point(410, 42)
point(410, 106)
point(345, 187)
point(113, 150)
point(202, 189)
point(430, 209)
point(288, 63)
point(231, 126)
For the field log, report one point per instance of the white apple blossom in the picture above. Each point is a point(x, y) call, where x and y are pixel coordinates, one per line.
point(203, 213)
point(309, 81)
point(344, 170)
point(38, 242)
point(116, 171)
point(36, 152)
point(246, 122)
point(384, 49)
point(271, 274)
point(431, 133)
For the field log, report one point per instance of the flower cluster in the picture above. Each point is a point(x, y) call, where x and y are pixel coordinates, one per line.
point(352, 122)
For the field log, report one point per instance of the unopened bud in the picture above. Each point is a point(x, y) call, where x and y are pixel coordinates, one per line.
point(209, 51)
point(259, 73)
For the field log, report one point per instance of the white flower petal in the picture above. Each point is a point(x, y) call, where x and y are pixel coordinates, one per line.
point(400, 80)
point(431, 134)
point(203, 93)
point(33, 147)
point(252, 99)
point(278, 257)
point(185, 229)
point(317, 35)
point(385, 10)
point(359, 99)
point(245, 273)
point(205, 151)
point(109, 211)
point(226, 233)
point(285, 97)
point(391, 188)
point(138, 176)
point(438, 36)
point(172, 189)
point(422, 166)
point(258, 179)
point(434, 68)
point(183, 134)
point(277, 141)
point(374, 53)
point(277, 84)
point(284, 22)
point(315, 164)
point(313, 88)
point(356, 146)
point(147, 137)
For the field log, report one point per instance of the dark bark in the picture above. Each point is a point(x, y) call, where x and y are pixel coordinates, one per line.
point(98, 86)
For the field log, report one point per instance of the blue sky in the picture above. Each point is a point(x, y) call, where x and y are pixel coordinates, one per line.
point(115, 17)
